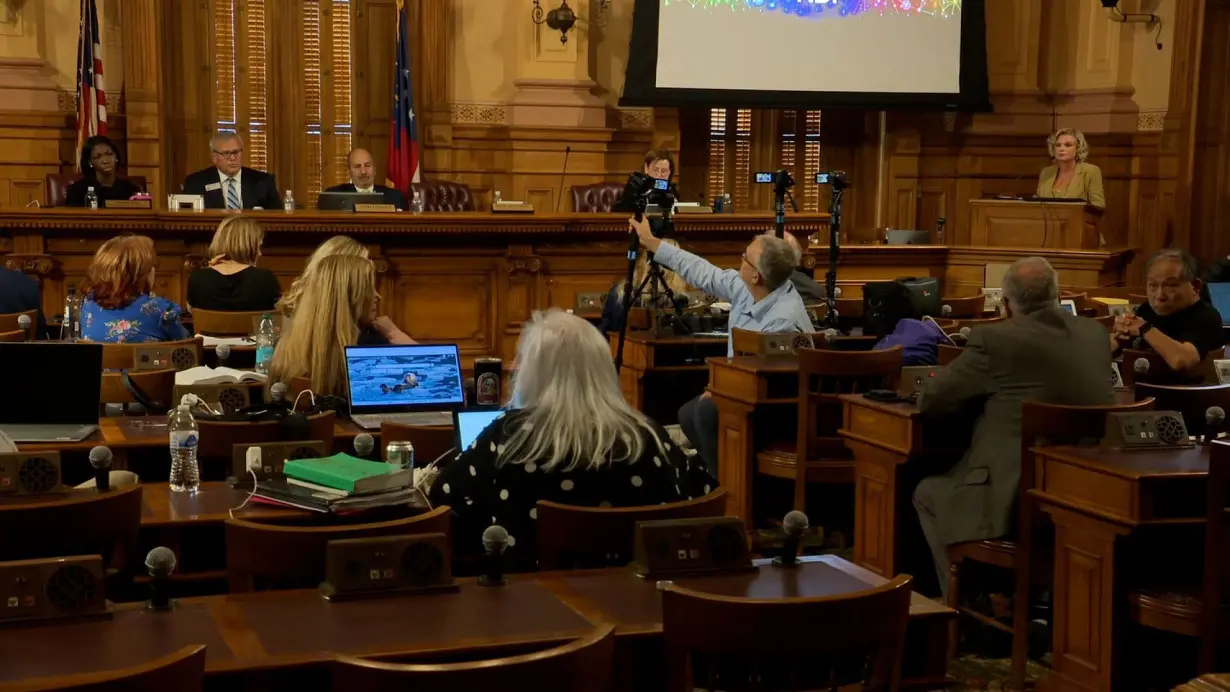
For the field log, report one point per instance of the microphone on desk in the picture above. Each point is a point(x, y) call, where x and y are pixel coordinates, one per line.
point(794, 524)
point(160, 562)
point(224, 352)
point(277, 394)
point(1141, 366)
point(830, 334)
point(964, 332)
point(495, 542)
point(945, 310)
point(100, 459)
point(23, 323)
point(363, 445)
point(1214, 416)
point(837, 291)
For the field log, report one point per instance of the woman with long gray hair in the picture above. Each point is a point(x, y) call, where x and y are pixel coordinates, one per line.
point(569, 437)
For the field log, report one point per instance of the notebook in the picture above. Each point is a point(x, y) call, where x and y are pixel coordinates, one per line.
point(470, 424)
point(413, 385)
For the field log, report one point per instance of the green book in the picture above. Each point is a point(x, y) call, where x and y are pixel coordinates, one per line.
point(349, 474)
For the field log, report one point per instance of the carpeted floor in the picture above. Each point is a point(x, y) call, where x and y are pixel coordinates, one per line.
point(974, 673)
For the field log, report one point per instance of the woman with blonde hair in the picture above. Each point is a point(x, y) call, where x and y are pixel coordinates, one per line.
point(1071, 177)
point(381, 330)
point(119, 305)
point(232, 281)
point(571, 438)
point(337, 300)
point(613, 309)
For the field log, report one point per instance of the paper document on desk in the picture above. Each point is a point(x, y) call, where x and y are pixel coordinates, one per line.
point(214, 341)
point(203, 374)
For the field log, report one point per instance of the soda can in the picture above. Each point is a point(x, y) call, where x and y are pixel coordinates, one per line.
point(488, 374)
point(399, 453)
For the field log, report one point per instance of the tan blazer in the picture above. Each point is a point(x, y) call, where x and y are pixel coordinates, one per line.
point(1086, 184)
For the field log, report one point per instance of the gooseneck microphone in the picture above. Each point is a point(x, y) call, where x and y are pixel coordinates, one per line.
point(563, 172)
point(1214, 416)
point(224, 352)
point(495, 542)
point(794, 524)
point(363, 445)
point(23, 323)
point(100, 459)
point(160, 562)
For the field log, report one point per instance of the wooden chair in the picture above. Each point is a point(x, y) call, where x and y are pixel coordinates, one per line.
point(1026, 553)
point(275, 556)
point(1192, 402)
point(1158, 371)
point(947, 354)
point(158, 386)
point(181, 671)
point(14, 337)
point(8, 323)
point(585, 665)
point(215, 451)
point(430, 442)
point(719, 642)
point(571, 537)
point(79, 522)
point(965, 308)
point(185, 354)
point(823, 376)
point(975, 323)
point(1215, 594)
point(219, 323)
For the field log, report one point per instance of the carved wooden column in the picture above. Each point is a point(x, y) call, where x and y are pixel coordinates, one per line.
point(1014, 32)
point(1087, 67)
point(431, 38)
point(141, 22)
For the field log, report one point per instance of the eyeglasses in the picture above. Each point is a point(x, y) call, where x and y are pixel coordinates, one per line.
point(230, 153)
point(749, 262)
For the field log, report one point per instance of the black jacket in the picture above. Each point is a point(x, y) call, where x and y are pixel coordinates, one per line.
point(19, 293)
point(391, 195)
point(259, 189)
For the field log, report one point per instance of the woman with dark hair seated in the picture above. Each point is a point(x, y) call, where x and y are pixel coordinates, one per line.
point(100, 161)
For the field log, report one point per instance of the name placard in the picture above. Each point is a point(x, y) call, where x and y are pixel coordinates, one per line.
point(129, 204)
point(365, 208)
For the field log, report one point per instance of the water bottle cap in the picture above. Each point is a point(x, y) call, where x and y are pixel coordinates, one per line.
point(183, 407)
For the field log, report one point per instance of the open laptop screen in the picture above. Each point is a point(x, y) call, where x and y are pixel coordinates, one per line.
point(471, 424)
point(1219, 293)
point(51, 382)
point(384, 379)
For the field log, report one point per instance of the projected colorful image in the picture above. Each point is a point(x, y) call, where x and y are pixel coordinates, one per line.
point(944, 9)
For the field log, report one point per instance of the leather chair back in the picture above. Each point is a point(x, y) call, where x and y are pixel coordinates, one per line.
point(599, 197)
point(444, 195)
point(57, 186)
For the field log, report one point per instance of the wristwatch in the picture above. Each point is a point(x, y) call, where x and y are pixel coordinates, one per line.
point(1144, 329)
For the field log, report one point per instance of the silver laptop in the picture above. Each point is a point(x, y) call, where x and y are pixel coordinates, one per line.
point(411, 385)
point(59, 384)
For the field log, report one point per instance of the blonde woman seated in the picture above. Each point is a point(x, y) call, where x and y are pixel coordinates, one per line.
point(571, 438)
point(613, 309)
point(336, 302)
point(380, 331)
point(232, 281)
point(1070, 177)
point(119, 305)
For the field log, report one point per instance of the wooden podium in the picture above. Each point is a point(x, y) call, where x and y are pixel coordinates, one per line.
point(1027, 223)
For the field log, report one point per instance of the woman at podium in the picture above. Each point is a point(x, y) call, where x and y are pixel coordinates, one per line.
point(1070, 177)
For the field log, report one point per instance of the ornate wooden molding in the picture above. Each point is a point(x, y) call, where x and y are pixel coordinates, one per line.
point(40, 266)
point(530, 265)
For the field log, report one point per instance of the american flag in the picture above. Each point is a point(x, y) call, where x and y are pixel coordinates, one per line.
point(91, 95)
point(404, 139)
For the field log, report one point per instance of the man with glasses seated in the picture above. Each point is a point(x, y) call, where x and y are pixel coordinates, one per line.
point(228, 184)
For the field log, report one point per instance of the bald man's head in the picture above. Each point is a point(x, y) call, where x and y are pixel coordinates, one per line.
point(362, 169)
point(1030, 285)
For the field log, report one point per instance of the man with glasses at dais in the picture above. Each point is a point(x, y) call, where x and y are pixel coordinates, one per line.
point(230, 185)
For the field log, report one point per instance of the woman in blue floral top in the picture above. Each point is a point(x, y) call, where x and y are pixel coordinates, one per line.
point(118, 306)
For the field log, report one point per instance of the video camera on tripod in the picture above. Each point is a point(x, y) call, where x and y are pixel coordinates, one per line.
point(645, 191)
point(835, 178)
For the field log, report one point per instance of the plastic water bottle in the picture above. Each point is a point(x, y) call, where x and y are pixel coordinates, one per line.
point(416, 204)
point(727, 205)
point(91, 198)
point(288, 201)
point(70, 329)
point(185, 473)
point(266, 339)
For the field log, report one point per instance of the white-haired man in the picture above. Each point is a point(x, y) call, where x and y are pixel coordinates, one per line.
point(761, 298)
point(228, 184)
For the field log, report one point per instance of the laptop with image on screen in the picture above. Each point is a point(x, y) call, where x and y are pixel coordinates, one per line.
point(1219, 293)
point(54, 391)
point(471, 423)
point(411, 385)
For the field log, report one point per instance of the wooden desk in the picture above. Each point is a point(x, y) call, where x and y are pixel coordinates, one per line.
point(283, 639)
point(1098, 500)
point(660, 374)
point(741, 386)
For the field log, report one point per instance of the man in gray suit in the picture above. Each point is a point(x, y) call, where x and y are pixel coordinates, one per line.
point(1040, 353)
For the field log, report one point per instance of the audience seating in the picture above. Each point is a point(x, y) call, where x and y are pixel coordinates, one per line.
point(443, 195)
point(598, 197)
point(58, 184)
point(158, 386)
point(946, 353)
point(430, 442)
point(1192, 402)
point(965, 308)
point(823, 375)
point(584, 665)
point(80, 522)
point(726, 642)
point(13, 337)
point(8, 323)
point(1026, 553)
point(219, 323)
point(261, 556)
point(181, 671)
point(572, 537)
point(120, 356)
point(215, 452)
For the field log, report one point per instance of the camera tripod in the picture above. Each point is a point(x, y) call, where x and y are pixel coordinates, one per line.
point(654, 281)
point(839, 185)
